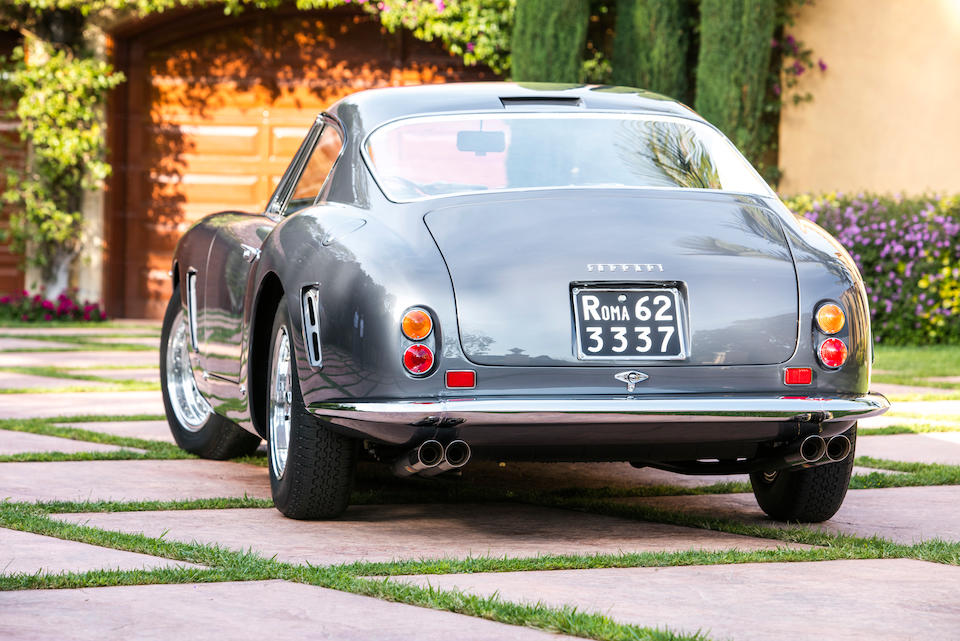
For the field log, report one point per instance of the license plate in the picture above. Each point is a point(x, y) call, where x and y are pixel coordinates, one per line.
point(629, 324)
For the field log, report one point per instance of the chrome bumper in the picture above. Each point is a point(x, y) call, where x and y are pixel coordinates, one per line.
point(609, 410)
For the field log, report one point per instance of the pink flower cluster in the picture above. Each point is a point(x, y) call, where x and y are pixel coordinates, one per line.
point(24, 307)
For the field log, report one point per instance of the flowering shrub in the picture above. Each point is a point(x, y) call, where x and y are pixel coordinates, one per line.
point(908, 250)
point(24, 307)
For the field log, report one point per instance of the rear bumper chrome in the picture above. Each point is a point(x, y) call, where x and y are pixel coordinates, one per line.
point(624, 410)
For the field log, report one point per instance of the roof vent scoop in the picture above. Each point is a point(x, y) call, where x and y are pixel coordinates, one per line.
point(545, 103)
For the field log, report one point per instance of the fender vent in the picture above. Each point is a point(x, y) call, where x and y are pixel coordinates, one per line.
point(311, 324)
point(192, 309)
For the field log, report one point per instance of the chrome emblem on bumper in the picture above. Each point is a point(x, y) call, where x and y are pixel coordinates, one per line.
point(631, 378)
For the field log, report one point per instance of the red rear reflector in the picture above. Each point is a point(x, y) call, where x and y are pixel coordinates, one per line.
point(418, 359)
point(798, 376)
point(467, 378)
point(833, 352)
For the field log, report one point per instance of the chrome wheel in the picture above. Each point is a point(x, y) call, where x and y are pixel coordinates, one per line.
point(191, 408)
point(281, 400)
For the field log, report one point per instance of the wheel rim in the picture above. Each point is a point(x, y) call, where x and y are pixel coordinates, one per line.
point(281, 399)
point(190, 407)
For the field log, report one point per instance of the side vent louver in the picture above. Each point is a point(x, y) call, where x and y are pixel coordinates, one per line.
point(192, 309)
point(311, 324)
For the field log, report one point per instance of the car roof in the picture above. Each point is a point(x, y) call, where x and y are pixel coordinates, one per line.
point(371, 108)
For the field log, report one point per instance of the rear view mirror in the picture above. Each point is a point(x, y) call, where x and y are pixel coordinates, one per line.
point(481, 142)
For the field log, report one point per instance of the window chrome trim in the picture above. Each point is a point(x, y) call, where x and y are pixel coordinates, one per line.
point(585, 114)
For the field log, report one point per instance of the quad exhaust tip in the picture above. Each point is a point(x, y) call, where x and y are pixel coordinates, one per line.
point(426, 456)
point(838, 448)
point(813, 448)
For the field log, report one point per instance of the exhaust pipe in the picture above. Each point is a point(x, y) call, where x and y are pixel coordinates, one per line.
point(838, 448)
point(456, 455)
point(812, 449)
point(426, 456)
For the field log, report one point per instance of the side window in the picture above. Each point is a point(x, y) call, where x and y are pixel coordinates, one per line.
point(315, 171)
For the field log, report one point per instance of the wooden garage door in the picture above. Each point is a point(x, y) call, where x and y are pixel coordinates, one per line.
point(11, 155)
point(214, 110)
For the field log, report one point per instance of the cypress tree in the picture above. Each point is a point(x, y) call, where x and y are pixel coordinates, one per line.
point(651, 46)
point(733, 65)
point(548, 40)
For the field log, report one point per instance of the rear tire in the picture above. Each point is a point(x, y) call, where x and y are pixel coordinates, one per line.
point(195, 426)
point(311, 466)
point(808, 495)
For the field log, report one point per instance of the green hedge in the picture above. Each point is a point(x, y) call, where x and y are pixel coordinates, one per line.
point(908, 250)
point(651, 46)
point(548, 40)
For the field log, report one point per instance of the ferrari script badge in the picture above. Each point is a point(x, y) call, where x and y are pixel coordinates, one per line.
point(631, 378)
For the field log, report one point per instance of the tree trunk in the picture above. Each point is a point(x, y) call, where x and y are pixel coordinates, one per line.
point(56, 274)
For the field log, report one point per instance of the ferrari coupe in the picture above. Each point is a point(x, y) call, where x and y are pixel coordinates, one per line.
point(519, 272)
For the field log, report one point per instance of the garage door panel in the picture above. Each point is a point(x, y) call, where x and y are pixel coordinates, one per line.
point(215, 118)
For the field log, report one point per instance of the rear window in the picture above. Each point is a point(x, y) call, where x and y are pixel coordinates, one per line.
point(432, 156)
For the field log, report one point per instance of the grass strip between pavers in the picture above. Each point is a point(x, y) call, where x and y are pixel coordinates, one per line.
point(108, 384)
point(48, 427)
point(909, 428)
point(86, 343)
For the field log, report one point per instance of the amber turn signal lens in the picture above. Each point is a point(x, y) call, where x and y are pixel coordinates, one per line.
point(833, 353)
point(417, 324)
point(830, 318)
point(418, 359)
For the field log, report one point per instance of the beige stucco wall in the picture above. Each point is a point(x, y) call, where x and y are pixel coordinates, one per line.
point(885, 116)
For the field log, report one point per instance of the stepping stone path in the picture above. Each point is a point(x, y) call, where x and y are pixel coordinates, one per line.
point(248, 611)
point(12, 442)
point(27, 553)
point(17, 381)
point(392, 532)
point(892, 599)
point(878, 599)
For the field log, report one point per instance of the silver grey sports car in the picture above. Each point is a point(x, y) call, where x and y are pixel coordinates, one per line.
point(519, 272)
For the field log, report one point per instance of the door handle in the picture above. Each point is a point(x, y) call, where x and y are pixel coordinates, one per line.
point(250, 254)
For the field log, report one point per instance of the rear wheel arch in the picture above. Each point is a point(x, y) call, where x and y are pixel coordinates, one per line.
point(269, 298)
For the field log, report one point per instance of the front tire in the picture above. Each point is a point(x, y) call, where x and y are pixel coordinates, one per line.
point(810, 495)
point(193, 423)
point(311, 467)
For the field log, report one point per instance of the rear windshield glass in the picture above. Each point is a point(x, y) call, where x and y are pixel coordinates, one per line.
point(418, 158)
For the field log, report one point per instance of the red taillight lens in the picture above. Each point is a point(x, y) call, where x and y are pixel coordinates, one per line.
point(833, 352)
point(418, 359)
point(467, 378)
point(798, 376)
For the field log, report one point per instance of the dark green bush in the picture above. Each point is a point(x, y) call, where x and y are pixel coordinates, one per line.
point(733, 68)
point(651, 46)
point(548, 40)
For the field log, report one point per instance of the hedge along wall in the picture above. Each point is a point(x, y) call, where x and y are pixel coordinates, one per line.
point(653, 40)
point(908, 250)
point(548, 40)
point(734, 61)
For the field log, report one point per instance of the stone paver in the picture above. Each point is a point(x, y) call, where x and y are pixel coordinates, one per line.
point(80, 403)
point(876, 422)
point(28, 553)
point(12, 442)
point(930, 447)
point(147, 430)
point(391, 532)
point(924, 408)
point(31, 343)
point(149, 341)
point(148, 374)
point(13, 381)
point(248, 611)
point(837, 600)
point(890, 389)
point(901, 514)
point(146, 358)
point(945, 379)
point(135, 480)
point(121, 327)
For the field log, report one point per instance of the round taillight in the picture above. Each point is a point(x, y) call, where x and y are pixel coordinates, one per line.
point(418, 359)
point(416, 324)
point(833, 353)
point(830, 318)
